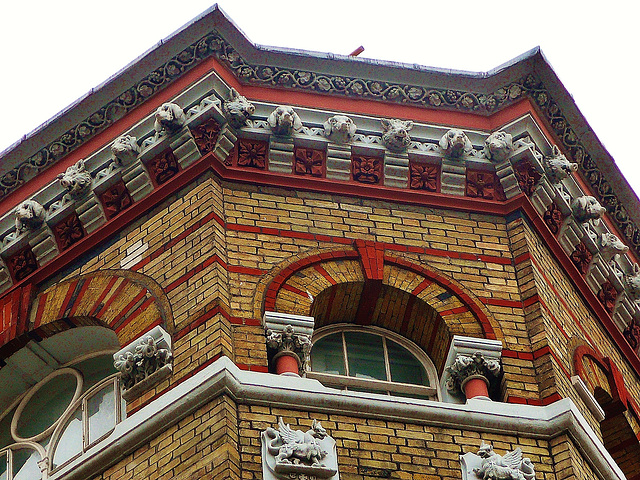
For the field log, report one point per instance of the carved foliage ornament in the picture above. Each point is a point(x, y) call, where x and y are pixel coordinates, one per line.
point(465, 367)
point(528, 177)
point(607, 296)
point(115, 199)
point(309, 161)
point(483, 185)
point(366, 169)
point(423, 176)
point(581, 258)
point(206, 135)
point(143, 362)
point(553, 218)
point(163, 167)
point(632, 334)
point(488, 465)
point(22, 263)
point(288, 341)
point(252, 153)
point(68, 231)
point(294, 454)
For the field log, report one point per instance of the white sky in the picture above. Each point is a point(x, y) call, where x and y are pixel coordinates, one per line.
point(55, 51)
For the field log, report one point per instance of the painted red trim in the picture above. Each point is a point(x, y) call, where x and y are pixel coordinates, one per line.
point(103, 294)
point(499, 302)
point(42, 301)
point(83, 290)
point(115, 295)
point(65, 304)
point(146, 304)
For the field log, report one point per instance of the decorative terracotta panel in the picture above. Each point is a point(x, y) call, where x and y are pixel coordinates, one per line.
point(252, 153)
point(528, 177)
point(206, 135)
point(115, 199)
point(482, 184)
point(366, 169)
point(553, 218)
point(68, 231)
point(424, 176)
point(22, 264)
point(632, 334)
point(607, 296)
point(163, 167)
point(309, 161)
point(581, 258)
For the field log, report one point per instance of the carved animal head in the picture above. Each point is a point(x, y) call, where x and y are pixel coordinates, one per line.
point(125, 149)
point(284, 120)
point(76, 179)
point(498, 146)
point(339, 129)
point(557, 166)
point(611, 245)
point(395, 135)
point(318, 430)
point(455, 142)
point(29, 215)
point(485, 450)
point(169, 118)
point(632, 282)
point(587, 208)
point(238, 109)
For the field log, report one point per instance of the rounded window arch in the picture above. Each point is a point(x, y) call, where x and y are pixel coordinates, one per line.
point(372, 359)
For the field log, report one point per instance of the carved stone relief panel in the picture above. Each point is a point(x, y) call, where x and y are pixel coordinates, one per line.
point(115, 199)
point(309, 161)
point(528, 177)
point(366, 169)
point(482, 184)
point(289, 454)
point(206, 135)
point(424, 176)
point(68, 231)
point(489, 465)
point(252, 153)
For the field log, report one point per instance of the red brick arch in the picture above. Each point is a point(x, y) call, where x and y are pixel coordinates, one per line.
point(127, 302)
point(294, 288)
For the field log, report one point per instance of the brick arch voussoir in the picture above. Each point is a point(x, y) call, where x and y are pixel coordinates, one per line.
point(271, 283)
point(488, 324)
point(127, 302)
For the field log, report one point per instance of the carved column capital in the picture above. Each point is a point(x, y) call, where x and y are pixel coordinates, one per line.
point(288, 339)
point(466, 368)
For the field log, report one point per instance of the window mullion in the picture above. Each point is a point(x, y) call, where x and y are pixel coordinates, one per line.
point(344, 353)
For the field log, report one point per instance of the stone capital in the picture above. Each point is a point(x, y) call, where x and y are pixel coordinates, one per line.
point(466, 368)
point(288, 336)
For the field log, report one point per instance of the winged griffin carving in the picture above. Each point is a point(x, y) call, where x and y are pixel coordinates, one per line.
point(296, 454)
point(510, 466)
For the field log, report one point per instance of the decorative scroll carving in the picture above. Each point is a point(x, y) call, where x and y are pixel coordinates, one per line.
point(581, 258)
point(29, 216)
point(553, 218)
point(252, 153)
point(125, 149)
point(528, 177)
point(498, 146)
point(455, 143)
point(465, 367)
point(287, 341)
point(115, 199)
point(485, 185)
point(339, 129)
point(607, 296)
point(309, 161)
point(488, 465)
point(76, 180)
point(557, 167)
point(22, 263)
point(297, 455)
point(163, 167)
point(366, 169)
point(395, 134)
point(238, 109)
point(147, 358)
point(170, 118)
point(284, 121)
point(587, 209)
point(206, 135)
point(423, 176)
point(68, 231)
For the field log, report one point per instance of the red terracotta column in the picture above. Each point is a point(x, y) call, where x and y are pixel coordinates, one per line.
point(288, 345)
point(471, 375)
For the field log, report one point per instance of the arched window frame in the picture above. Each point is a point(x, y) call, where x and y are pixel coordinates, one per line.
point(403, 389)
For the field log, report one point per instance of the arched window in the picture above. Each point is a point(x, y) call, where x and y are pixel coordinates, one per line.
point(370, 359)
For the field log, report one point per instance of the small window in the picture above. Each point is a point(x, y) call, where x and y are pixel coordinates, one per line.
point(368, 359)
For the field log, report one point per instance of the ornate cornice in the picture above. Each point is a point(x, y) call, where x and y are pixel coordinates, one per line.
point(528, 86)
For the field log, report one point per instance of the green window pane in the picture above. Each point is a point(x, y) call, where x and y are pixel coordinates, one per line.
point(70, 443)
point(102, 413)
point(405, 368)
point(4, 465)
point(365, 355)
point(327, 355)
